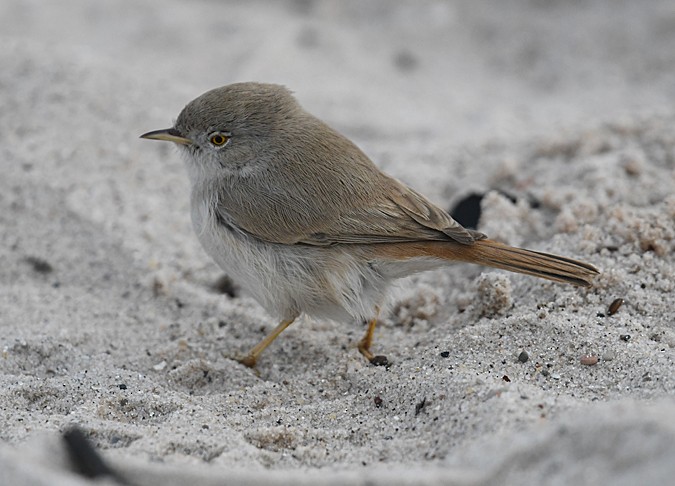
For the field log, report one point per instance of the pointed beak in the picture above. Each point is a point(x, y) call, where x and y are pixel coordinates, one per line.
point(168, 135)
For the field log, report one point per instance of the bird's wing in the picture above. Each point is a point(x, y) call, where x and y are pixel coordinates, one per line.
point(391, 212)
point(399, 214)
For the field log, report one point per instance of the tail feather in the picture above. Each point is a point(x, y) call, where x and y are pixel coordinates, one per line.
point(493, 254)
point(552, 267)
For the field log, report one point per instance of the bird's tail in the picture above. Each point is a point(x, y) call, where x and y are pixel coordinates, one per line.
point(491, 253)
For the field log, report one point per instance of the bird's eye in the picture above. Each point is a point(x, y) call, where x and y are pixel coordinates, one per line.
point(219, 139)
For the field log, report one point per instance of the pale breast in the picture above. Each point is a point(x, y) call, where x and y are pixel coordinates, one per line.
point(290, 279)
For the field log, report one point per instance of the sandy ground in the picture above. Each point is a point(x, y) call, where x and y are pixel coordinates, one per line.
point(109, 313)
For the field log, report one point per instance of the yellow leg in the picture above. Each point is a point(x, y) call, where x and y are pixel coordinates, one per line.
point(367, 340)
point(252, 356)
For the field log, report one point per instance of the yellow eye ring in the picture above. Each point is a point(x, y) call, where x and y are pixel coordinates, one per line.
point(219, 139)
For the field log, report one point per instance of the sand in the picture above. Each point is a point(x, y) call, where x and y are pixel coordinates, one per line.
point(112, 317)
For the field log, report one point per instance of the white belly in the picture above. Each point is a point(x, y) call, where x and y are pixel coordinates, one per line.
point(290, 279)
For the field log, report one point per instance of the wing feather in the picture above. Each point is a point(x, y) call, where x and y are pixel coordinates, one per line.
point(325, 201)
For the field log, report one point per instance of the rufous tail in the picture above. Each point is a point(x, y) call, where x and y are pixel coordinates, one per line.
point(491, 253)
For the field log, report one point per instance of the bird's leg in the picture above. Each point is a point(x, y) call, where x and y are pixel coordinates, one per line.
point(367, 340)
point(252, 357)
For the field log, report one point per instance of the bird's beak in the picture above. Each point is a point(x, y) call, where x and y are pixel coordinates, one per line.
point(168, 135)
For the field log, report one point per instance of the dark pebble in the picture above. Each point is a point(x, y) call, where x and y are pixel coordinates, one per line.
point(122, 386)
point(614, 306)
point(38, 264)
point(506, 379)
point(445, 354)
point(625, 337)
point(523, 357)
point(420, 406)
point(379, 360)
point(378, 402)
point(467, 211)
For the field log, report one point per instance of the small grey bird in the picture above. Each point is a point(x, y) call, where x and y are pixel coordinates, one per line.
point(304, 221)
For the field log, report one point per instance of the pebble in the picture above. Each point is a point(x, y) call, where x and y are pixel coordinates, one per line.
point(523, 357)
point(420, 406)
point(159, 366)
point(379, 360)
point(589, 360)
point(39, 265)
point(614, 306)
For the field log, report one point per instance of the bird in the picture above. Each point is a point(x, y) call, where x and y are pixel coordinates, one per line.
point(306, 223)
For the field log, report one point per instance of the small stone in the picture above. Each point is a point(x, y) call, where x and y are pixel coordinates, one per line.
point(420, 406)
point(159, 366)
point(523, 357)
point(122, 386)
point(378, 402)
point(379, 360)
point(467, 211)
point(624, 337)
point(633, 166)
point(614, 306)
point(608, 356)
point(39, 265)
point(445, 354)
point(589, 360)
